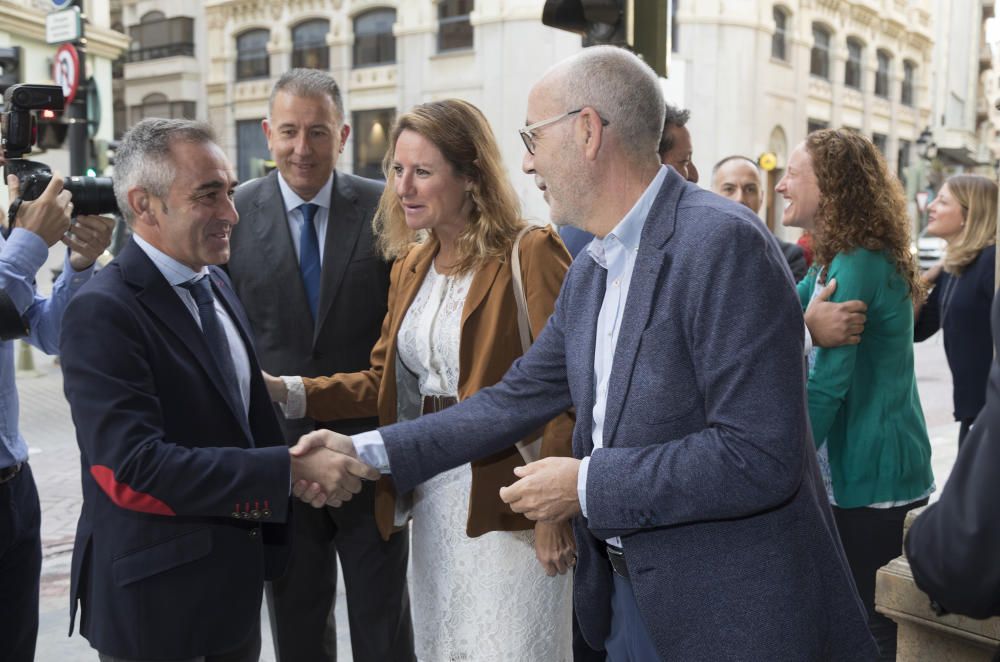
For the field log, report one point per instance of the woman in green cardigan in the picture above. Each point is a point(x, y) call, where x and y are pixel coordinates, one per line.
point(866, 417)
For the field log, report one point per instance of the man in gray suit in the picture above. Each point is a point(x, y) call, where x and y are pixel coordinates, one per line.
point(314, 287)
point(701, 522)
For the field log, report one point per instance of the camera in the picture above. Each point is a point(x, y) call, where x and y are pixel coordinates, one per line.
point(18, 126)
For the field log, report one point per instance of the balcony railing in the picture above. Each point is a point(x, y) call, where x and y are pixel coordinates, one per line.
point(157, 52)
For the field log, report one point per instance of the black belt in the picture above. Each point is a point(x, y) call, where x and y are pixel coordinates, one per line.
point(617, 557)
point(435, 403)
point(7, 473)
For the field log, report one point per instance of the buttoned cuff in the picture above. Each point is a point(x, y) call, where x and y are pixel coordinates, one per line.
point(294, 405)
point(581, 484)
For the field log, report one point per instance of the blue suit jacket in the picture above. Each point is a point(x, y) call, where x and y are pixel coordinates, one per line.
point(171, 549)
point(709, 470)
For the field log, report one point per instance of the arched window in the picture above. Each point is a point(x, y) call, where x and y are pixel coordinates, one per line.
point(374, 42)
point(819, 60)
point(454, 29)
point(779, 45)
point(309, 47)
point(252, 60)
point(909, 73)
point(852, 68)
point(882, 74)
point(157, 104)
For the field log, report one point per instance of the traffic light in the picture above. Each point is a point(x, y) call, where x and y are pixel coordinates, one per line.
point(51, 129)
point(642, 26)
point(10, 67)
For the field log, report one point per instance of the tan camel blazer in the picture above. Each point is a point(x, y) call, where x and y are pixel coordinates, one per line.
point(489, 345)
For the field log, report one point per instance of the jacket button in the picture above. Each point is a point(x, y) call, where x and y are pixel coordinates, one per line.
point(255, 514)
point(236, 514)
point(245, 515)
point(253, 533)
point(266, 513)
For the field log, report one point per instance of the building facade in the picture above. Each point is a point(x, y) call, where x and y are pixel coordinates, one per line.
point(22, 26)
point(758, 76)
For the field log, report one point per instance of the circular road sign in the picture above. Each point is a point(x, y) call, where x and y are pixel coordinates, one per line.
point(66, 70)
point(61, 4)
point(768, 161)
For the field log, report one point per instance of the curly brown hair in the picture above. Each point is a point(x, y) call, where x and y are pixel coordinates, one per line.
point(861, 204)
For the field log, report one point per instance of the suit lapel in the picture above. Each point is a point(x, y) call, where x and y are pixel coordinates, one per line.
point(156, 294)
point(646, 283)
point(586, 311)
point(269, 224)
point(482, 283)
point(230, 302)
point(343, 227)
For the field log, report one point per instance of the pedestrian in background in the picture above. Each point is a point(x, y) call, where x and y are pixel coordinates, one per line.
point(964, 214)
point(449, 218)
point(39, 225)
point(305, 266)
point(863, 401)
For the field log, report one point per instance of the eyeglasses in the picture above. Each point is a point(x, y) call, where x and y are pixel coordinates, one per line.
point(529, 138)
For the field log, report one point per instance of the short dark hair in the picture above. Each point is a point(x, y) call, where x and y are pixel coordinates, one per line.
point(675, 117)
point(734, 157)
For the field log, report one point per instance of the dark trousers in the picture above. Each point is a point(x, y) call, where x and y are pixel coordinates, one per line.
point(248, 652)
point(582, 652)
point(871, 538)
point(964, 430)
point(629, 640)
point(301, 602)
point(20, 566)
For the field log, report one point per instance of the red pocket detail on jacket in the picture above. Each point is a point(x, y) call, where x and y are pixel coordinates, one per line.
point(125, 497)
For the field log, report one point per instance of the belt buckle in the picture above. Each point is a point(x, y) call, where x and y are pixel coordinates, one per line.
point(8, 473)
point(616, 557)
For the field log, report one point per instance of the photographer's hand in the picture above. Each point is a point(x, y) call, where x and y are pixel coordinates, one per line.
point(87, 238)
point(49, 215)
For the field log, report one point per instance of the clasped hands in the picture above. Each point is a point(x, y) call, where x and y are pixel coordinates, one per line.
point(326, 470)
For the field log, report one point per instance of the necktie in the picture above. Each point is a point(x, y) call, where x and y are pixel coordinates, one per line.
point(216, 336)
point(309, 263)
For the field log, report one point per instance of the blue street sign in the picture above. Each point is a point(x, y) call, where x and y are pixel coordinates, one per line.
point(61, 4)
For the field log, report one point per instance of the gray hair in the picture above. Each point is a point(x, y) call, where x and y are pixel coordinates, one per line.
point(735, 157)
point(673, 116)
point(619, 86)
point(308, 83)
point(143, 158)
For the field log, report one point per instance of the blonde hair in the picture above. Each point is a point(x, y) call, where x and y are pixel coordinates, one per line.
point(461, 133)
point(978, 197)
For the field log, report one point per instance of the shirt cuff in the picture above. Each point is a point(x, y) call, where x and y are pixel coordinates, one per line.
point(581, 485)
point(807, 346)
point(73, 277)
point(294, 405)
point(25, 251)
point(371, 450)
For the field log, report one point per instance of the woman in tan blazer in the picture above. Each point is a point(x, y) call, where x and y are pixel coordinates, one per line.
point(449, 218)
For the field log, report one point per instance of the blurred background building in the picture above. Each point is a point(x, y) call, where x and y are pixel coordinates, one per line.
point(916, 76)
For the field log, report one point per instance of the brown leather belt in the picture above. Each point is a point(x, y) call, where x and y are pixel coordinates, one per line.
point(617, 557)
point(435, 403)
point(8, 473)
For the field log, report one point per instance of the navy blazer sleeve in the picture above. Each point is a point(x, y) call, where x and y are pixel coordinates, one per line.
point(110, 379)
point(953, 546)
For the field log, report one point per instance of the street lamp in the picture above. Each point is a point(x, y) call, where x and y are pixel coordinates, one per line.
point(926, 147)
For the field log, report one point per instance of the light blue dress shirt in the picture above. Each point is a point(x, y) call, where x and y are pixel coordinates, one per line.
point(321, 219)
point(615, 253)
point(21, 256)
point(177, 275)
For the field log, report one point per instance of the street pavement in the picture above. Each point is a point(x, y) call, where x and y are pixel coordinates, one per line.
point(55, 461)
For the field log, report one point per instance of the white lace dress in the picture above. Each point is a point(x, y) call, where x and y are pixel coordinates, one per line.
point(474, 599)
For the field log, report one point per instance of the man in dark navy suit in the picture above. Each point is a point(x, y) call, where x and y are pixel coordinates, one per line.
point(185, 472)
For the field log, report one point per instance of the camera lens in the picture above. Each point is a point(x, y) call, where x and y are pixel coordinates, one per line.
point(92, 195)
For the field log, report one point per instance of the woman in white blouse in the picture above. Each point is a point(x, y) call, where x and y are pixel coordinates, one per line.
point(486, 583)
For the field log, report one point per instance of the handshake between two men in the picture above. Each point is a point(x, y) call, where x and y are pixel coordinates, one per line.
point(327, 472)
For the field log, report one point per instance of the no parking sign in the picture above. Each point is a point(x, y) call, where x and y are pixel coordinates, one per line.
point(66, 71)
